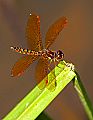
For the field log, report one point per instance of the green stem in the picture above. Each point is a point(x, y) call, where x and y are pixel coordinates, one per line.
point(83, 96)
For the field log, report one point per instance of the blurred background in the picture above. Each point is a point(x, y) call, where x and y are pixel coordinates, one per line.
point(76, 40)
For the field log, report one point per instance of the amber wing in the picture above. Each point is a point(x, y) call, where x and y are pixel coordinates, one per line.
point(33, 34)
point(41, 72)
point(54, 31)
point(22, 64)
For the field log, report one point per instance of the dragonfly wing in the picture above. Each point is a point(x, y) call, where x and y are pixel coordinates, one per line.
point(22, 64)
point(52, 85)
point(49, 81)
point(51, 78)
point(54, 31)
point(33, 34)
point(41, 72)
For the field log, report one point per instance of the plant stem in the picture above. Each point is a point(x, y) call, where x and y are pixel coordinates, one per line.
point(83, 96)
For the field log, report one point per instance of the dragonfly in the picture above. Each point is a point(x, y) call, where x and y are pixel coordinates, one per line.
point(36, 50)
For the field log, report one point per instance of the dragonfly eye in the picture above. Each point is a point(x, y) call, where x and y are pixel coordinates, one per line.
point(60, 55)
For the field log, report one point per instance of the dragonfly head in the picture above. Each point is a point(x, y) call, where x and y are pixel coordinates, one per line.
point(59, 55)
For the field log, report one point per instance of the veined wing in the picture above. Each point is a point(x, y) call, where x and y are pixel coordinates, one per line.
point(41, 72)
point(33, 34)
point(49, 81)
point(54, 31)
point(22, 64)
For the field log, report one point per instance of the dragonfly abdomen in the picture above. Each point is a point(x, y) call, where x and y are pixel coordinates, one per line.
point(23, 51)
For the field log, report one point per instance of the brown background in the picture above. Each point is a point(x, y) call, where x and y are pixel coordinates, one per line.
point(76, 40)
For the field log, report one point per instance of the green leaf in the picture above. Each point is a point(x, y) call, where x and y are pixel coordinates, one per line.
point(37, 100)
point(83, 96)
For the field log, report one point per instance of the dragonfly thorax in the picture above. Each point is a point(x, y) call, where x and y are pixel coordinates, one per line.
point(52, 55)
point(48, 54)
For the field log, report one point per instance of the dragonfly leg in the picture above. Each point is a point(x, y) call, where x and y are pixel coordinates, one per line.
point(70, 65)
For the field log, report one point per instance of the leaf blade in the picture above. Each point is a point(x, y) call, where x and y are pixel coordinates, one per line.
point(37, 100)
